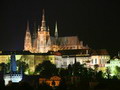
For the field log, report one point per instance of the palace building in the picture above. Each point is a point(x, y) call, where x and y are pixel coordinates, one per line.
point(41, 41)
point(61, 58)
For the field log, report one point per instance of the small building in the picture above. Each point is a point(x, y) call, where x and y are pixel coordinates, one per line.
point(13, 75)
point(53, 81)
point(99, 57)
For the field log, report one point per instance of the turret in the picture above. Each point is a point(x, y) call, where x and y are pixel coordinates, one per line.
point(43, 25)
point(13, 76)
point(27, 42)
point(56, 31)
point(13, 66)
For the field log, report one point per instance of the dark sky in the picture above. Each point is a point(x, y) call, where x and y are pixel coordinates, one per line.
point(96, 22)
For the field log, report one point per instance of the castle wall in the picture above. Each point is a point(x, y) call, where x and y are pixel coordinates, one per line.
point(4, 58)
point(59, 61)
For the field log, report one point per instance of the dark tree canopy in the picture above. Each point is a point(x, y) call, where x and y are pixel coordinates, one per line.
point(46, 69)
point(22, 66)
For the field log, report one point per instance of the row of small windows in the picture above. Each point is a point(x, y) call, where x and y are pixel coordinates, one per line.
point(95, 61)
point(65, 63)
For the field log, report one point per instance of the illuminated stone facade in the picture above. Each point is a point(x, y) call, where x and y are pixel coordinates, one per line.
point(42, 42)
point(27, 44)
point(49, 82)
point(4, 58)
point(62, 58)
point(100, 58)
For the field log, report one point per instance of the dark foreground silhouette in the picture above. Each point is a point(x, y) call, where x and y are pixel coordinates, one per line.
point(82, 85)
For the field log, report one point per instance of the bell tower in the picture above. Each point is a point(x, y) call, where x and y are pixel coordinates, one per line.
point(43, 35)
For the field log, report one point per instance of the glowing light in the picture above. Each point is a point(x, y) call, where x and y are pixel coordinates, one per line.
point(15, 78)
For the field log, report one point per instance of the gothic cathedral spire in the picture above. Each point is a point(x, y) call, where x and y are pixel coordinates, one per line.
point(43, 25)
point(56, 30)
point(27, 42)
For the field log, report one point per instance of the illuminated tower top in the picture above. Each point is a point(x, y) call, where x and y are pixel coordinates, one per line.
point(27, 43)
point(28, 29)
point(43, 25)
point(56, 30)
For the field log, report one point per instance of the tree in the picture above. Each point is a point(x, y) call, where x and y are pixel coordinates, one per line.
point(2, 67)
point(22, 66)
point(78, 69)
point(46, 69)
point(97, 72)
point(99, 75)
point(117, 72)
point(91, 74)
point(5, 68)
point(96, 67)
point(70, 70)
point(108, 72)
point(63, 72)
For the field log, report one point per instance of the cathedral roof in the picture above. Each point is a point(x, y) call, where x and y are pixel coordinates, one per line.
point(71, 40)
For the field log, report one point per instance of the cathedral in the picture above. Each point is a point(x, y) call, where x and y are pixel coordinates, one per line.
point(61, 51)
point(41, 41)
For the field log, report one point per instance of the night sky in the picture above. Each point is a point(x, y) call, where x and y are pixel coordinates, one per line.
point(96, 22)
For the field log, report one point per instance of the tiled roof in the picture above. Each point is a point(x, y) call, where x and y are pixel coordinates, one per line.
point(99, 52)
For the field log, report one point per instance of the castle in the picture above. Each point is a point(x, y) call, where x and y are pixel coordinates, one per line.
point(41, 41)
point(61, 51)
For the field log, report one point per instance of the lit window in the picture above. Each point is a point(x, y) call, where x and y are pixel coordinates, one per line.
point(65, 63)
point(92, 61)
point(95, 61)
point(101, 61)
point(71, 63)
